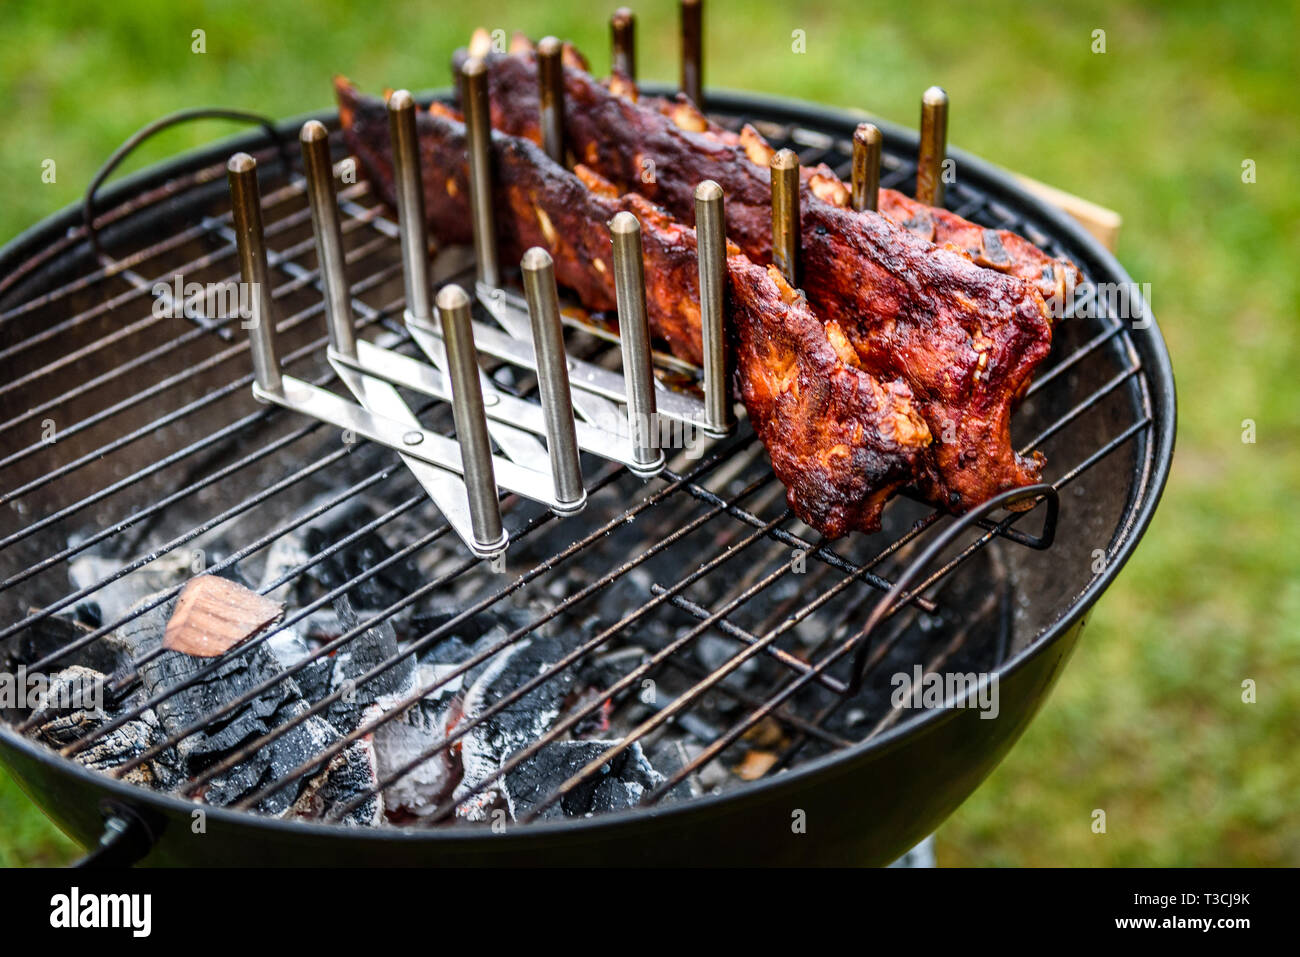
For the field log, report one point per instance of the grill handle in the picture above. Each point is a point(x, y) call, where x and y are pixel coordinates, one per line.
point(887, 605)
point(126, 839)
point(157, 126)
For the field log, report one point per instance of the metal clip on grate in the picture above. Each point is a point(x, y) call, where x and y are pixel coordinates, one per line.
point(463, 475)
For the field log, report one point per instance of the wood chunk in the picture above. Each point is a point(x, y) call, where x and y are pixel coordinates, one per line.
point(214, 614)
point(1103, 223)
point(754, 765)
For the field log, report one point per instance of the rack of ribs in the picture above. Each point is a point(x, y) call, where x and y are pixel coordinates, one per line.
point(842, 441)
point(602, 129)
point(966, 338)
point(898, 363)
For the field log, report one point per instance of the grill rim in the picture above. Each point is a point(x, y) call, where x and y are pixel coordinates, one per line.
point(1154, 460)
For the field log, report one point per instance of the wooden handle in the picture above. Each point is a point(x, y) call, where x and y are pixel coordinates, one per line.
point(1103, 223)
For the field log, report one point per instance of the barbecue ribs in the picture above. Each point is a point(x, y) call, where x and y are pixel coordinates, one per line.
point(965, 338)
point(910, 325)
point(515, 110)
point(841, 440)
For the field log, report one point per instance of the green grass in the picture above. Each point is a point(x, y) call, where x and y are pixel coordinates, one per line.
point(27, 838)
point(1148, 721)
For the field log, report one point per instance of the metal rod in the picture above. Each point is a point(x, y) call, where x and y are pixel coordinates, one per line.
point(410, 203)
point(471, 421)
point(934, 146)
point(518, 444)
point(458, 81)
point(550, 83)
point(867, 143)
point(246, 211)
point(634, 338)
point(785, 214)
point(693, 51)
point(622, 35)
point(314, 139)
point(710, 238)
point(478, 133)
point(553, 379)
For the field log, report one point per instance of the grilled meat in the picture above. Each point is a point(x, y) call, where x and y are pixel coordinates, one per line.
point(515, 110)
point(998, 249)
point(965, 338)
point(841, 440)
point(539, 203)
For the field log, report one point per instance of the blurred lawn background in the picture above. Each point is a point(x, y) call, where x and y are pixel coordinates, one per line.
point(1148, 721)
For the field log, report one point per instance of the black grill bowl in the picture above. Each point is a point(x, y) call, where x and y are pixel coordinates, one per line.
point(863, 804)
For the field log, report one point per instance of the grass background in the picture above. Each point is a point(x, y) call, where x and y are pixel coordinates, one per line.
point(1148, 722)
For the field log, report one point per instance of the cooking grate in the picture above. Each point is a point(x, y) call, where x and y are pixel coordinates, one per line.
point(151, 450)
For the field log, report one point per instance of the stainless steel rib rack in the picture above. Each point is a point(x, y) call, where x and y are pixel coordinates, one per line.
point(497, 442)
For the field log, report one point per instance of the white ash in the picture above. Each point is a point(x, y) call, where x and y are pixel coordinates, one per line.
point(485, 747)
point(365, 652)
point(110, 603)
point(404, 737)
point(76, 688)
point(290, 649)
point(349, 774)
point(285, 554)
point(621, 782)
point(413, 733)
point(132, 739)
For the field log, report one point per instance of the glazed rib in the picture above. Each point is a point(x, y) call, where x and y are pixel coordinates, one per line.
point(998, 249)
point(538, 203)
point(841, 440)
point(515, 111)
point(966, 339)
